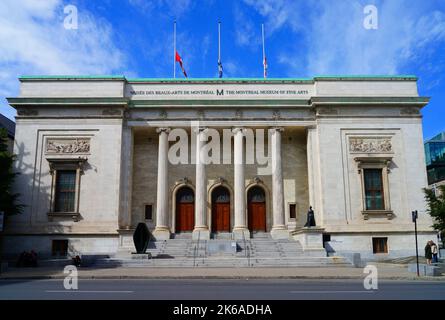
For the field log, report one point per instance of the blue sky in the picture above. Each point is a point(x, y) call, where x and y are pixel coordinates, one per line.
point(303, 39)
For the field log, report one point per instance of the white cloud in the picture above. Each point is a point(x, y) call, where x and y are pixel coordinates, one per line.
point(277, 12)
point(335, 41)
point(246, 33)
point(231, 69)
point(177, 8)
point(34, 41)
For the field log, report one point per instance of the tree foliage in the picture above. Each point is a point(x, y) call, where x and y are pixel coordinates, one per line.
point(8, 200)
point(436, 207)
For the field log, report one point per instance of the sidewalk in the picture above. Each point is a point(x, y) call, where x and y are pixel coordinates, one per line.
point(385, 271)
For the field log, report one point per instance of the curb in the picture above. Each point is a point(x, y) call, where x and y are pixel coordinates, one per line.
point(123, 277)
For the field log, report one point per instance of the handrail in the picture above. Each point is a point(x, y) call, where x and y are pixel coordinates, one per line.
point(248, 256)
point(148, 245)
point(247, 249)
point(195, 251)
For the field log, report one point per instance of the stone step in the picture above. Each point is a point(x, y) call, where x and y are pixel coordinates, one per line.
point(226, 262)
point(257, 248)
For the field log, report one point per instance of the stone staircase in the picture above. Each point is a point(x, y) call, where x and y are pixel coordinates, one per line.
point(259, 251)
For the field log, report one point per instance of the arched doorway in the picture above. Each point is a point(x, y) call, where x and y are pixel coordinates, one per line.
point(185, 209)
point(256, 209)
point(220, 209)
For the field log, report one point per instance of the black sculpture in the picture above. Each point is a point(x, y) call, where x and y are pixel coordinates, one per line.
point(141, 237)
point(310, 218)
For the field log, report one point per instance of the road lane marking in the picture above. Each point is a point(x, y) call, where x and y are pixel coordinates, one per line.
point(338, 291)
point(87, 291)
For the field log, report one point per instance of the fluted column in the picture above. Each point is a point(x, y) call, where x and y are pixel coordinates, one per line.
point(201, 229)
point(240, 228)
point(278, 219)
point(162, 230)
point(126, 183)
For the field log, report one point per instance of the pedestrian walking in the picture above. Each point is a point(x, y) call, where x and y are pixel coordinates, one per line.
point(434, 252)
point(428, 252)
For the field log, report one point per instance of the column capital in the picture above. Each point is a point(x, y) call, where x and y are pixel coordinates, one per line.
point(238, 129)
point(279, 129)
point(163, 129)
point(199, 129)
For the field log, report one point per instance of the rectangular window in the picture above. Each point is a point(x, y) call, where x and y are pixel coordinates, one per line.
point(380, 245)
point(65, 192)
point(292, 211)
point(60, 248)
point(374, 189)
point(148, 212)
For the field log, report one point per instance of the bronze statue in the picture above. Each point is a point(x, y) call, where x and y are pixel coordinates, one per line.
point(310, 218)
point(141, 238)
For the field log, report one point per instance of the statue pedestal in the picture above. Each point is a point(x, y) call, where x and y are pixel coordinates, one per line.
point(311, 239)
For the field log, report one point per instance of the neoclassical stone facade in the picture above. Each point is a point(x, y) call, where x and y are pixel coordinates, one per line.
point(206, 157)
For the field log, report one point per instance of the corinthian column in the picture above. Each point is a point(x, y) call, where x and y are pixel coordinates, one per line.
point(162, 230)
point(279, 230)
point(201, 230)
point(240, 230)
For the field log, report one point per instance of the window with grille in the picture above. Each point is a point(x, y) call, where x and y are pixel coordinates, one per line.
point(65, 191)
point(60, 248)
point(374, 189)
point(380, 245)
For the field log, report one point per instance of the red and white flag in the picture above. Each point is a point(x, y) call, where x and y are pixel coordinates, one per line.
point(179, 59)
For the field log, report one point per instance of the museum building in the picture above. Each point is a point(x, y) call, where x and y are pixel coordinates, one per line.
point(201, 159)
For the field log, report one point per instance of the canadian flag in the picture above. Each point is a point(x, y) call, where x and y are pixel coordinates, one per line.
point(179, 59)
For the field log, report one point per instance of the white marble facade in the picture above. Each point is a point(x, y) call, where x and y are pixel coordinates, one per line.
point(321, 134)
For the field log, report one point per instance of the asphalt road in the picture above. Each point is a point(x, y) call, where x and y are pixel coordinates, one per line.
point(242, 289)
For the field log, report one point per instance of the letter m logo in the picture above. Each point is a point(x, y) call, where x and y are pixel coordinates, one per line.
point(220, 92)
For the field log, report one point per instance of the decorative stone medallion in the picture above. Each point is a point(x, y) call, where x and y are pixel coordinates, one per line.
point(370, 144)
point(276, 115)
point(67, 146)
point(163, 114)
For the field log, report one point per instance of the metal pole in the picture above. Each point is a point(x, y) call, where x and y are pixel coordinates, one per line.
point(417, 248)
point(219, 41)
point(174, 49)
point(264, 51)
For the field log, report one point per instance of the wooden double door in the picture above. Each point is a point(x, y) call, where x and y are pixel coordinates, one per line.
point(256, 209)
point(185, 210)
point(220, 209)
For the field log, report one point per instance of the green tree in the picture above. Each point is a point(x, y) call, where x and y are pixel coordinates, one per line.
point(8, 200)
point(436, 207)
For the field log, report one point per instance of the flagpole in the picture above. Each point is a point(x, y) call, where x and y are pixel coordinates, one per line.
point(219, 47)
point(174, 49)
point(219, 40)
point(264, 51)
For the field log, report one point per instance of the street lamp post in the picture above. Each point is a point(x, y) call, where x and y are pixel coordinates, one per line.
point(414, 216)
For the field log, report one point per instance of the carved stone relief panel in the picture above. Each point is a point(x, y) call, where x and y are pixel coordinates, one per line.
point(67, 146)
point(370, 145)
